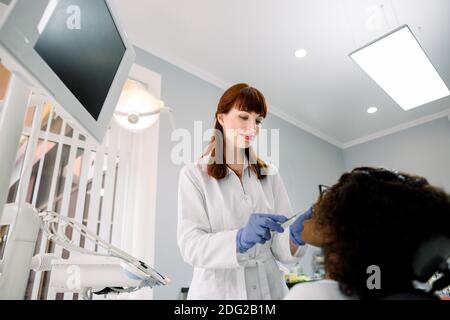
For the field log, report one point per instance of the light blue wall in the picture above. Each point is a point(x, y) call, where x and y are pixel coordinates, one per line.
point(423, 150)
point(305, 162)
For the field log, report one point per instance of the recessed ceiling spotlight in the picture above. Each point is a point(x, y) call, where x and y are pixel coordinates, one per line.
point(301, 53)
point(372, 110)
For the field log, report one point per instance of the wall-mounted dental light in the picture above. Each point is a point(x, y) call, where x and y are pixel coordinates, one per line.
point(137, 109)
point(399, 65)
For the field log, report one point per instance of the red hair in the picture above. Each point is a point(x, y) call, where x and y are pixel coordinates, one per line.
point(245, 98)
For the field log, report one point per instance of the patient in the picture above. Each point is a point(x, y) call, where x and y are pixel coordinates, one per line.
point(371, 217)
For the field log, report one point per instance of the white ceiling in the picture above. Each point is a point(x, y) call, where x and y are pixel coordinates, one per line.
point(229, 41)
point(325, 93)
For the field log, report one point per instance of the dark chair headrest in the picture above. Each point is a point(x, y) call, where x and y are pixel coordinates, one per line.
point(431, 257)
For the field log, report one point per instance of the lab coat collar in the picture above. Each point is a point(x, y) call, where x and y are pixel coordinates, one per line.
point(204, 160)
point(246, 165)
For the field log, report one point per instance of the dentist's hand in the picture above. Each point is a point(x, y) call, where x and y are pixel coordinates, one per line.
point(296, 227)
point(258, 230)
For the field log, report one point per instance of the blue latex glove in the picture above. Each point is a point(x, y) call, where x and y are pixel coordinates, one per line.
point(258, 230)
point(296, 227)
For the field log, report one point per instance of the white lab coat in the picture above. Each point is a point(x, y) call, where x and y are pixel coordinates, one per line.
point(210, 213)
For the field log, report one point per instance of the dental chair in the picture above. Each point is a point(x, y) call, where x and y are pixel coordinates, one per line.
point(432, 257)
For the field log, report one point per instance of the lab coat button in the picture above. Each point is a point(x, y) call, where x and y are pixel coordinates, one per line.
point(254, 287)
point(245, 198)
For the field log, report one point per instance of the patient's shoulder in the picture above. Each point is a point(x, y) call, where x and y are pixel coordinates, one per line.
point(317, 290)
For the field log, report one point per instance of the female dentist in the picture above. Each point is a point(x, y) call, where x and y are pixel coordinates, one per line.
point(230, 209)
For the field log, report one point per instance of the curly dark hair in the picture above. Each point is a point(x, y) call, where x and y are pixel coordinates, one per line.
point(375, 216)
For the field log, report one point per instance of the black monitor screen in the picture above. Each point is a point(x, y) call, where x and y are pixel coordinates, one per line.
point(82, 46)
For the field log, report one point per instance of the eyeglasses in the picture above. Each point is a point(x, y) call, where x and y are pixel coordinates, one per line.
point(323, 189)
